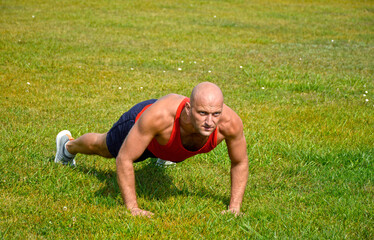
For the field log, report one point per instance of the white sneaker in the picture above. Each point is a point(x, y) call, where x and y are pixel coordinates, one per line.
point(62, 138)
point(164, 163)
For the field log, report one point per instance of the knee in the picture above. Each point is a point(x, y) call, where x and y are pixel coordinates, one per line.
point(96, 142)
point(101, 146)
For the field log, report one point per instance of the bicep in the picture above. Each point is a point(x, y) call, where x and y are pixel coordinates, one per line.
point(235, 141)
point(237, 148)
point(134, 144)
point(139, 137)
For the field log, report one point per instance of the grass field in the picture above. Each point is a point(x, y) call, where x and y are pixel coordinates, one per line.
point(299, 73)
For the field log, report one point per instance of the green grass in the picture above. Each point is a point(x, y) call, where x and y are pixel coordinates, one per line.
point(295, 71)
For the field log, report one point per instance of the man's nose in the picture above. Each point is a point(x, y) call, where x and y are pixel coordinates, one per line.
point(209, 119)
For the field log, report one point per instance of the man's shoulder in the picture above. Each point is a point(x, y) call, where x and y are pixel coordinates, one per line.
point(172, 97)
point(229, 115)
point(159, 117)
point(169, 103)
point(164, 109)
point(230, 123)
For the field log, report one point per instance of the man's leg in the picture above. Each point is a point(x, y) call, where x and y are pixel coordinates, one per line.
point(89, 143)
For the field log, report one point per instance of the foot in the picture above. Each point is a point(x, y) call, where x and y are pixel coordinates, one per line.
point(61, 157)
point(164, 163)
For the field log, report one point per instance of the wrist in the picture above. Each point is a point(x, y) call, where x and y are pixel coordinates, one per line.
point(132, 207)
point(234, 208)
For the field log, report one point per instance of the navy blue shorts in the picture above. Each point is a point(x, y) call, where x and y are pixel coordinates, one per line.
point(122, 127)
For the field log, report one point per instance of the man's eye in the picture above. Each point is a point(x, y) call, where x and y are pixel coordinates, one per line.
point(217, 114)
point(202, 113)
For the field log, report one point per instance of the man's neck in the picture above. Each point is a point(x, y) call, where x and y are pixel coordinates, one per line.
point(185, 124)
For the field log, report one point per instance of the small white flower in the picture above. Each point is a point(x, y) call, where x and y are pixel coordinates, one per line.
point(332, 40)
point(202, 60)
point(65, 208)
point(119, 88)
point(50, 222)
point(263, 88)
point(300, 59)
point(179, 69)
point(241, 66)
point(141, 88)
point(164, 71)
point(132, 69)
point(33, 16)
point(364, 95)
point(154, 59)
point(215, 16)
point(28, 83)
point(366, 100)
point(209, 71)
point(182, 61)
point(194, 62)
point(366, 91)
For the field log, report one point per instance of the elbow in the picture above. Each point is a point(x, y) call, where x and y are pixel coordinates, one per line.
point(123, 163)
point(119, 162)
point(241, 167)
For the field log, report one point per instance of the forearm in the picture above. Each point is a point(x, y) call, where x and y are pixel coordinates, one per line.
point(126, 182)
point(239, 177)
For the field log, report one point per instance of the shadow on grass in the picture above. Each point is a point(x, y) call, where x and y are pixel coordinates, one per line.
point(109, 178)
point(152, 183)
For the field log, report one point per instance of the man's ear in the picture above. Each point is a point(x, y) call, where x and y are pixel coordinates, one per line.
point(188, 108)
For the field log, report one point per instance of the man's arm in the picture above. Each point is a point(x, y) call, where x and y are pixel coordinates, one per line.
point(144, 130)
point(237, 150)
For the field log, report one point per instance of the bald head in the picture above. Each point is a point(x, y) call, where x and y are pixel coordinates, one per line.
point(206, 93)
point(204, 110)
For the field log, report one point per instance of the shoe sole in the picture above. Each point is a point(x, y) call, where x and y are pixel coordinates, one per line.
point(58, 142)
point(165, 163)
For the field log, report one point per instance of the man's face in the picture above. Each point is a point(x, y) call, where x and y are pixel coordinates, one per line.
point(205, 116)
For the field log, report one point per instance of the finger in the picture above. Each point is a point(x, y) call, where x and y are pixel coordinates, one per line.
point(139, 212)
point(226, 212)
point(147, 214)
point(232, 211)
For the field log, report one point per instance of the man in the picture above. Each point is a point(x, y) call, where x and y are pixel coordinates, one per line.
point(172, 128)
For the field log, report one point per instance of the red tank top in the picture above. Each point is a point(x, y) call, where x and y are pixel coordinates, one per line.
point(174, 150)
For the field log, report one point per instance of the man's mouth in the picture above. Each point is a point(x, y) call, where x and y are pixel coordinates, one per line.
point(207, 128)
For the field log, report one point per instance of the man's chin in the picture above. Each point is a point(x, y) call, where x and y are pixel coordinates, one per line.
point(206, 133)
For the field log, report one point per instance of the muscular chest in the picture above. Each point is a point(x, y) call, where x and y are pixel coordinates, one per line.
point(193, 142)
point(189, 142)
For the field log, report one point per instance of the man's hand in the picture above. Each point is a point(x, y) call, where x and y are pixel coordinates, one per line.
point(140, 212)
point(235, 211)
